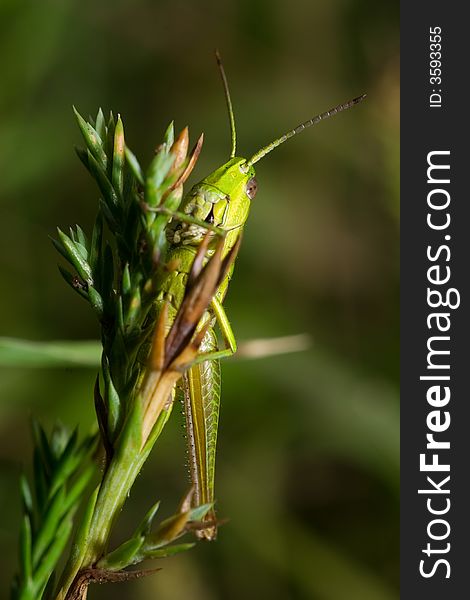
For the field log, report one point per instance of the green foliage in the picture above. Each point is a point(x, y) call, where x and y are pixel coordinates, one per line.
point(144, 545)
point(117, 275)
point(25, 353)
point(62, 471)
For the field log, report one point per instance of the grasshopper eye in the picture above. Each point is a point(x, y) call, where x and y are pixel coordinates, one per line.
point(251, 188)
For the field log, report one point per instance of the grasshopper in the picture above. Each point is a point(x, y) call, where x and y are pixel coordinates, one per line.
point(218, 204)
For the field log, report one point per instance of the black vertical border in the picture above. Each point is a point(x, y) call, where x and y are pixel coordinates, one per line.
point(424, 129)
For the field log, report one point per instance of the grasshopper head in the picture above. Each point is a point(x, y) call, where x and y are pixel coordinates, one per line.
point(233, 186)
point(222, 199)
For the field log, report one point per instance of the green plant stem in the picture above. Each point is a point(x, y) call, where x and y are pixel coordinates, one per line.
point(121, 474)
point(115, 488)
point(123, 469)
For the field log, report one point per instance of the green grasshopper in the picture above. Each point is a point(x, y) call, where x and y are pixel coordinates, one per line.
point(219, 203)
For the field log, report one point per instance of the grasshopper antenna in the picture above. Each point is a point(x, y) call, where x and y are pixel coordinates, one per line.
point(329, 113)
point(233, 133)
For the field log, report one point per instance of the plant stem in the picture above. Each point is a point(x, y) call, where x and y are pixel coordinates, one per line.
point(122, 471)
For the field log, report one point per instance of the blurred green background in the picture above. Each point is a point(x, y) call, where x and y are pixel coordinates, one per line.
point(308, 449)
